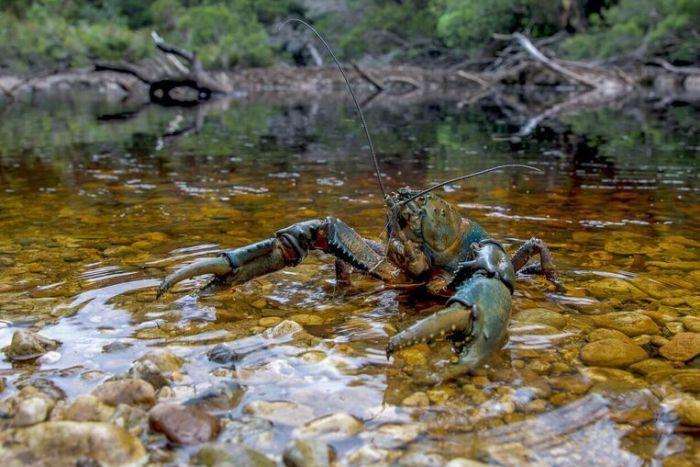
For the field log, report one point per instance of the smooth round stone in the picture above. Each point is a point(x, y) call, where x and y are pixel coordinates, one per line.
point(307, 319)
point(230, 455)
point(605, 333)
point(417, 399)
point(269, 321)
point(630, 323)
point(306, 453)
point(129, 391)
point(541, 316)
point(165, 360)
point(337, 425)
point(686, 407)
point(183, 424)
point(280, 412)
point(682, 347)
point(615, 353)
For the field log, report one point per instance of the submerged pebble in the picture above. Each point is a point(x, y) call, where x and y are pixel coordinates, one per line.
point(682, 347)
point(611, 352)
point(129, 391)
point(306, 453)
point(183, 424)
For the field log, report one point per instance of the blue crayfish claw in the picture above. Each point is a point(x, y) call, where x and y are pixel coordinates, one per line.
point(453, 319)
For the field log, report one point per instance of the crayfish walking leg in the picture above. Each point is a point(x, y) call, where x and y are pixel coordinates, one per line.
point(289, 247)
point(531, 248)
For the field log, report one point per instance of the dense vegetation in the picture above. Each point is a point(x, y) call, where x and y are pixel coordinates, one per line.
point(50, 34)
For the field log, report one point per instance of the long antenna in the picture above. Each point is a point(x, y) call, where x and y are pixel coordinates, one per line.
point(352, 93)
point(464, 177)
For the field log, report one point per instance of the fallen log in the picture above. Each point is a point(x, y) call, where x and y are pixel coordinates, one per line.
point(173, 83)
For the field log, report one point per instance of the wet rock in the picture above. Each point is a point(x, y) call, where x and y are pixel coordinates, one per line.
point(421, 459)
point(686, 408)
point(149, 372)
point(393, 435)
point(165, 360)
point(280, 412)
point(616, 353)
point(650, 365)
point(286, 328)
point(614, 287)
point(49, 358)
point(306, 453)
point(85, 408)
point(630, 323)
point(132, 419)
point(306, 319)
point(44, 386)
point(682, 347)
point(417, 399)
point(541, 316)
point(269, 321)
point(674, 327)
point(685, 379)
point(32, 410)
point(71, 443)
point(462, 462)
point(230, 455)
point(659, 341)
point(27, 345)
point(183, 424)
point(335, 426)
point(129, 391)
point(222, 354)
point(691, 323)
point(116, 346)
point(222, 397)
point(605, 333)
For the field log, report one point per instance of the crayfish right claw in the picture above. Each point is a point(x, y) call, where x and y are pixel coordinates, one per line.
point(219, 266)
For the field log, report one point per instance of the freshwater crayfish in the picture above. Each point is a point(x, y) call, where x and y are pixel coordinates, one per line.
point(428, 243)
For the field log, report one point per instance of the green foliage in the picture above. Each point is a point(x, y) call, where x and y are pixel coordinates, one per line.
point(383, 26)
point(664, 27)
point(470, 24)
point(41, 34)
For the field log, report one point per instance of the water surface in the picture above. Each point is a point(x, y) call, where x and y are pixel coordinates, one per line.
point(98, 205)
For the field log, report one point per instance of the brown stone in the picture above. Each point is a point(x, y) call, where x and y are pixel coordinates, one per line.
point(183, 424)
point(682, 347)
point(615, 353)
point(631, 323)
point(129, 391)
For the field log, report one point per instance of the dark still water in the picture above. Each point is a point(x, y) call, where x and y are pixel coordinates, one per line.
point(98, 205)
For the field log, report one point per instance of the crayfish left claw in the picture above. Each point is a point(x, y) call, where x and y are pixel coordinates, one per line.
point(219, 266)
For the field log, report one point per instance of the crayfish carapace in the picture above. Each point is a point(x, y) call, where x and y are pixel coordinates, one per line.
point(428, 242)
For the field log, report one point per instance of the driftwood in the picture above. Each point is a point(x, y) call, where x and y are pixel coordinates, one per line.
point(179, 80)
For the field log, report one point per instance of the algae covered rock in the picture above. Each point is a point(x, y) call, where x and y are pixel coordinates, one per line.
point(231, 455)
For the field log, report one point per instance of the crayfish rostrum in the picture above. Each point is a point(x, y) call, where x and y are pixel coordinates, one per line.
point(428, 243)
